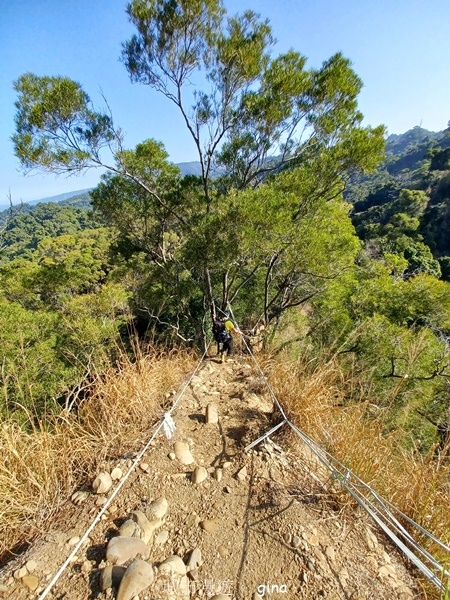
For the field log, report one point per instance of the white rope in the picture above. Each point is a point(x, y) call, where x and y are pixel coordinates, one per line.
point(380, 512)
point(163, 421)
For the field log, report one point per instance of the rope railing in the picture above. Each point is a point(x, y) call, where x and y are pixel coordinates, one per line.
point(378, 508)
point(165, 422)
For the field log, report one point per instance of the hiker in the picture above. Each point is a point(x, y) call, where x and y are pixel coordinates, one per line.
point(227, 343)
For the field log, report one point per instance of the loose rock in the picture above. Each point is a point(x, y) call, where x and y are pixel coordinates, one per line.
point(211, 415)
point(102, 483)
point(162, 537)
point(242, 474)
point(147, 527)
point(79, 497)
point(158, 508)
point(111, 577)
point(183, 453)
point(116, 474)
point(122, 549)
point(31, 566)
point(199, 474)
point(218, 474)
point(31, 582)
point(130, 529)
point(137, 578)
point(195, 560)
point(210, 525)
point(173, 566)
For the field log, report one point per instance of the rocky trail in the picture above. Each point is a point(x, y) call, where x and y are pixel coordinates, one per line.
point(200, 518)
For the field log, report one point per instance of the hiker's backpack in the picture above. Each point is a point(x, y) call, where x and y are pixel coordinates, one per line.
point(219, 332)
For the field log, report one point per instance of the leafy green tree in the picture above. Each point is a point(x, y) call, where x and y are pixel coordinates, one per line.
point(254, 114)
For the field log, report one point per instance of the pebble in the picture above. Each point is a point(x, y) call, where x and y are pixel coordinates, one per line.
point(199, 474)
point(172, 455)
point(101, 500)
point(287, 537)
point(183, 453)
point(226, 465)
point(162, 537)
point(228, 490)
point(211, 415)
point(20, 573)
point(296, 541)
point(31, 566)
point(223, 551)
point(218, 474)
point(220, 597)
point(147, 527)
point(195, 560)
point(210, 525)
point(129, 529)
point(144, 467)
point(116, 474)
point(73, 541)
point(102, 483)
point(110, 577)
point(242, 474)
point(122, 549)
point(31, 582)
point(173, 565)
point(136, 579)
point(159, 507)
point(330, 553)
point(86, 567)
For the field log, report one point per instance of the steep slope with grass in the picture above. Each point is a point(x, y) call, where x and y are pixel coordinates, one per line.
point(262, 521)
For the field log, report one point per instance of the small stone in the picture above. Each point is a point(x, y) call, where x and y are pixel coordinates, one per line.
point(193, 574)
point(136, 579)
point(159, 507)
point(116, 474)
point(210, 525)
point(144, 467)
point(199, 474)
point(296, 541)
point(31, 566)
point(147, 527)
point(223, 551)
point(102, 483)
point(211, 415)
point(20, 573)
point(73, 541)
point(220, 597)
point(86, 567)
point(172, 455)
point(227, 464)
point(218, 474)
point(173, 566)
point(101, 500)
point(183, 453)
point(31, 582)
point(3, 588)
point(195, 560)
point(228, 490)
point(111, 577)
point(313, 540)
point(162, 537)
point(122, 549)
point(129, 529)
point(287, 537)
point(242, 474)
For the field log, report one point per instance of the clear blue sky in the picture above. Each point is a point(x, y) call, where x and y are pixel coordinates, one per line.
point(399, 48)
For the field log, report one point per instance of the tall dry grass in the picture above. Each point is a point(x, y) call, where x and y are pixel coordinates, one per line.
point(314, 396)
point(43, 463)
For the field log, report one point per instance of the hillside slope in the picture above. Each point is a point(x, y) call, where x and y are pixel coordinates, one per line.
point(260, 521)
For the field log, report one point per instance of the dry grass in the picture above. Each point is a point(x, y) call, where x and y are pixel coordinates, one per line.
point(314, 397)
point(41, 466)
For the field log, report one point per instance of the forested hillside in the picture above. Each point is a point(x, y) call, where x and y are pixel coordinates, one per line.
point(275, 238)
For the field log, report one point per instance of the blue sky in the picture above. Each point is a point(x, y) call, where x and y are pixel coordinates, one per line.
point(399, 48)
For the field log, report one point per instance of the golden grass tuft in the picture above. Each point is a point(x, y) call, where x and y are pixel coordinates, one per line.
point(44, 462)
point(314, 396)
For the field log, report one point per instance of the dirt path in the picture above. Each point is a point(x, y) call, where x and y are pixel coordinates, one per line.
point(270, 526)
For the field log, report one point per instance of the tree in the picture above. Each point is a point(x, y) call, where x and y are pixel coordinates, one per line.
point(253, 114)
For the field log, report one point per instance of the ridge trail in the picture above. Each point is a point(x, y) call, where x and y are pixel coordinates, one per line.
point(264, 521)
